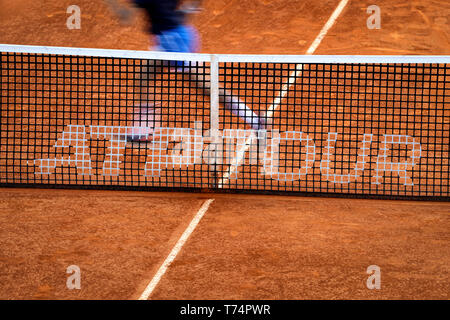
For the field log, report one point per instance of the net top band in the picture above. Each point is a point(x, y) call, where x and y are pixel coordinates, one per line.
point(243, 58)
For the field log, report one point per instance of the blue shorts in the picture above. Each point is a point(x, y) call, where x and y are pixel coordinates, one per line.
point(180, 39)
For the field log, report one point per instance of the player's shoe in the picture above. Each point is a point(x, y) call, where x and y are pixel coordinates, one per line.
point(147, 118)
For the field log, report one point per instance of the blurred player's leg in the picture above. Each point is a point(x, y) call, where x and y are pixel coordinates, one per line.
point(146, 112)
point(147, 115)
point(232, 103)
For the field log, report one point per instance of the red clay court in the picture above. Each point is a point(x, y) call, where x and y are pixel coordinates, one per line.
point(209, 245)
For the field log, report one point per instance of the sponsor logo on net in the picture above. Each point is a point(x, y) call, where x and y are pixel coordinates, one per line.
point(179, 148)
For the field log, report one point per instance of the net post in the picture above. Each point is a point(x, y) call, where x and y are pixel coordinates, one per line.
point(214, 79)
point(214, 113)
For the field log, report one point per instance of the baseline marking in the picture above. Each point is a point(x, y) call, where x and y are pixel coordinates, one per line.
point(176, 249)
point(240, 154)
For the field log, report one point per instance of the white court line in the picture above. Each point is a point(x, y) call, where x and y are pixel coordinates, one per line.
point(327, 27)
point(240, 154)
point(176, 249)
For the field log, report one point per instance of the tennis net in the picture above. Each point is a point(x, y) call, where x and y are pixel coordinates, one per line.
point(368, 126)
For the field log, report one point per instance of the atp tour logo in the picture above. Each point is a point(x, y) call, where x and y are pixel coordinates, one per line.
point(229, 147)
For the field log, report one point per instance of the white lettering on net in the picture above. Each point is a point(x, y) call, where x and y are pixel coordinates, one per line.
point(384, 165)
point(325, 164)
point(158, 157)
point(234, 139)
point(272, 156)
point(115, 152)
point(213, 153)
point(74, 136)
point(189, 150)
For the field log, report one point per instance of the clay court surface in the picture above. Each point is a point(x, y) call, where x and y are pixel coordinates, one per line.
point(245, 246)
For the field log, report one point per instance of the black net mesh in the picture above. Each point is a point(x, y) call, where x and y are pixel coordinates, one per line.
point(342, 129)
